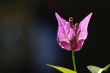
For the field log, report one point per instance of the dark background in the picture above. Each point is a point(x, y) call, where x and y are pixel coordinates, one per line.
point(28, 31)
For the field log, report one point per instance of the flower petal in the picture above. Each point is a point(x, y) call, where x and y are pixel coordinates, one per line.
point(65, 32)
point(82, 27)
point(65, 45)
point(82, 31)
point(79, 45)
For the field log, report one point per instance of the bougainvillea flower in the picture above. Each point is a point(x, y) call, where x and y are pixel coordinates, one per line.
point(71, 35)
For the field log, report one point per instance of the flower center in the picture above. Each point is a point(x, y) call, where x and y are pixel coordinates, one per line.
point(74, 25)
point(72, 21)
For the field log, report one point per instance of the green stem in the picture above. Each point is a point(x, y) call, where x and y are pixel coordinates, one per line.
point(73, 58)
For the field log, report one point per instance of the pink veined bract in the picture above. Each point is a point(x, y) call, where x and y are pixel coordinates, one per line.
point(69, 35)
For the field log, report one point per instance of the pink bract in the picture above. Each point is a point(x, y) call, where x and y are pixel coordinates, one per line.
point(69, 36)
